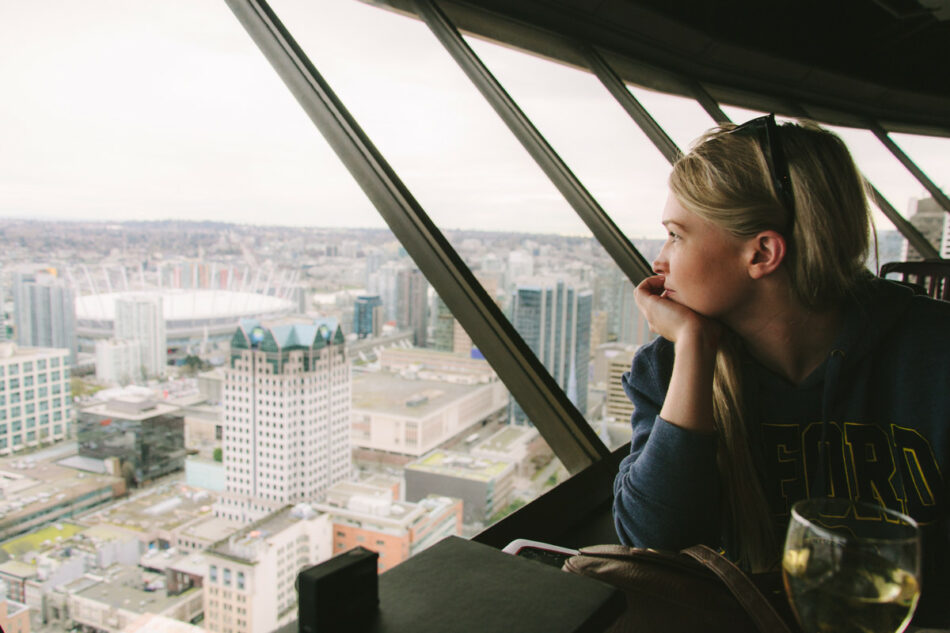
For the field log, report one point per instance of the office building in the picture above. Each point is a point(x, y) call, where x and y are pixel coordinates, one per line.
point(139, 318)
point(138, 437)
point(249, 581)
point(553, 316)
point(412, 291)
point(35, 400)
point(634, 329)
point(286, 416)
point(443, 335)
point(485, 486)
point(367, 316)
point(398, 417)
point(45, 312)
point(368, 514)
point(118, 361)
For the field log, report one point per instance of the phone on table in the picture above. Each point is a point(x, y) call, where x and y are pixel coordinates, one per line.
point(553, 555)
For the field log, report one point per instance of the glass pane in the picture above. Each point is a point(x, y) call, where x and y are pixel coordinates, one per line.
point(682, 118)
point(183, 168)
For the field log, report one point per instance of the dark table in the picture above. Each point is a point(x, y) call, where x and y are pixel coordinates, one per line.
point(460, 586)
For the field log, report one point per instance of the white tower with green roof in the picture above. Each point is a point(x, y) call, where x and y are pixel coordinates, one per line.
point(287, 396)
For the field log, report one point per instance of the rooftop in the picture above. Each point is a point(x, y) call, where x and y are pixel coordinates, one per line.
point(186, 305)
point(161, 508)
point(507, 438)
point(11, 352)
point(124, 588)
point(459, 465)
point(151, 623)
point(131, 409)
point(37, 540)
point(243, 545)
point(210, 529)
point(28, 487)
point(386, 392)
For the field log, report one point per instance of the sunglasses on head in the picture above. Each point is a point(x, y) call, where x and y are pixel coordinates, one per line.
point(766, 132)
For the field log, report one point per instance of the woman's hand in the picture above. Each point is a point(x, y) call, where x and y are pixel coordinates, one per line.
point(688, 401)
point(671, 320)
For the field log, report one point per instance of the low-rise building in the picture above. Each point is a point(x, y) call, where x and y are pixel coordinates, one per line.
point(38, 493)
point(250, 578)
point(14, 616)
point(157, 513)
point(367, 515)
point(146, 436)
point(484, 486)
point(520, 445)
point(110, 601)
point(407, 416)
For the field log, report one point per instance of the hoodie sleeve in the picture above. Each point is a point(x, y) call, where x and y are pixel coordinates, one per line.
point(666, 495)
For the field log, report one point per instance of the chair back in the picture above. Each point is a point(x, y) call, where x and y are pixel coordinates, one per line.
point(931, 276)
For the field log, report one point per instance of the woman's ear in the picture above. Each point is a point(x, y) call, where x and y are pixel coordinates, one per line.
point(766, 253)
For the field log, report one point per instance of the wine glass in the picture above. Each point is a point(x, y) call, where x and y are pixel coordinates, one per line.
point(851, 566)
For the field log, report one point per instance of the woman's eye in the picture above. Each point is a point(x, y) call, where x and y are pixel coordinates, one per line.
point(673, 236)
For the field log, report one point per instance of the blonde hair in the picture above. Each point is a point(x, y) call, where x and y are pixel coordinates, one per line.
point(725, 179)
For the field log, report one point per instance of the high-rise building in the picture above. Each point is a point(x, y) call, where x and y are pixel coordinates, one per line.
point(367, 316)
point(634, 329)
point(554, 318)
point(118, 361)
point(35, 401)
point(934, 224)
point(45, 312)
point(140, 318)
point(383, 283)
point(443, 335)
point(412, 291)
point(286, 416)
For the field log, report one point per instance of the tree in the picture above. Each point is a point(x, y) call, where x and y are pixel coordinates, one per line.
point(218, 454)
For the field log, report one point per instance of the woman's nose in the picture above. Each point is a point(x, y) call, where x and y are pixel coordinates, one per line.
point(660, 265)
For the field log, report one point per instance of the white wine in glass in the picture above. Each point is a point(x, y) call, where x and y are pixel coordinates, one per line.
point(851, 567)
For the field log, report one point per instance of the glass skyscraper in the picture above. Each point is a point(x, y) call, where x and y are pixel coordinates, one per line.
point(553, 316)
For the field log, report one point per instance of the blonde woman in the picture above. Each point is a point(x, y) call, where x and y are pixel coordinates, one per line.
point(784, 369)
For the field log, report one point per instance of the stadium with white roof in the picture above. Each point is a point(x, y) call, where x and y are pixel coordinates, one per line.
point(193, 317)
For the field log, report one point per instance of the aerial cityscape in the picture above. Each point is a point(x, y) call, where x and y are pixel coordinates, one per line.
point(191, 413)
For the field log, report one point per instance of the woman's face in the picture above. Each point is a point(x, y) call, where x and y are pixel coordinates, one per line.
point(703, 265)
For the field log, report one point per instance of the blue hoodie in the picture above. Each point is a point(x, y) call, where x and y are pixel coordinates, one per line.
point(880, 402)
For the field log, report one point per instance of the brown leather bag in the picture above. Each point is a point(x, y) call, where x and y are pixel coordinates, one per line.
point(689, 591)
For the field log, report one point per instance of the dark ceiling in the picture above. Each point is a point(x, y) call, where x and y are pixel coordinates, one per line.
point(846, 62)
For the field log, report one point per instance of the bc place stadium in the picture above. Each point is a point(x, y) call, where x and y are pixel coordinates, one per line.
point(196, 317)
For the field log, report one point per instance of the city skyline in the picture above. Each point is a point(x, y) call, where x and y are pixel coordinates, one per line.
point(170, 112)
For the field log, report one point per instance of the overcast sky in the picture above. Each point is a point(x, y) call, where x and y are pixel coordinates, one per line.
point(134, 109)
